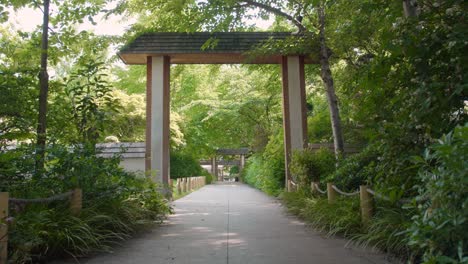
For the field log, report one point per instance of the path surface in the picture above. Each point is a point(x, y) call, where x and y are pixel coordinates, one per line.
point(235, 224)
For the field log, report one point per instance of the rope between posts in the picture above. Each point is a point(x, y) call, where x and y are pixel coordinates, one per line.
point(318, 189)
point(372, 192)
point(344, 193)
point(62, 196)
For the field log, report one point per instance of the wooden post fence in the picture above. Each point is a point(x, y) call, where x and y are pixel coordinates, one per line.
point(3, 227)
point(366, 204)
point(331, 193)
point(76, 202)
point(179, 190)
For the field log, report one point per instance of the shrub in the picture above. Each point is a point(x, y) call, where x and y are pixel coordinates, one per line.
point(266, 170)
point(341, 217)
point(15, 167)
point(208, 177)
point(234, 170)
point(440, 224)
point(41, 233)
point(184, 165)
point(387, 230)
point(115, 205)
point(308, 165)
point(356, 169)
point(263, 174)
point(257, 174)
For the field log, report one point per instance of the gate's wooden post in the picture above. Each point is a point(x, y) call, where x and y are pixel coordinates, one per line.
point(294, 109)
point(3, 227)
point(158, 118)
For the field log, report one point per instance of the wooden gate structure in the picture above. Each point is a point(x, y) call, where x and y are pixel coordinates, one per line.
point(159, 50)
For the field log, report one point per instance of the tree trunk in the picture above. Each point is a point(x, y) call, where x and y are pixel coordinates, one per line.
point(330, 87)
point(410, 8)
point(43, 92)
point(325, 69)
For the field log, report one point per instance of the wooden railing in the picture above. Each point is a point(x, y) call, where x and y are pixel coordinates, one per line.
point(366, 197)
point(74, 196)
point(188, 184)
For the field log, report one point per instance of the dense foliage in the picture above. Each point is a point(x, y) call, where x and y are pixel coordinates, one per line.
point(265, 171)
point(116, 204)
point(308, 166)
point(438, 227)
point(185, 165)
point(400, 79)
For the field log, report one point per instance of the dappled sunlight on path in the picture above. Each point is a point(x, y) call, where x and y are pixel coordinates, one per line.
point(233, 223)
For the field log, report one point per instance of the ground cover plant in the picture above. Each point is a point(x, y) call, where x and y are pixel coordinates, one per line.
point(116, 205)
point(426, 228)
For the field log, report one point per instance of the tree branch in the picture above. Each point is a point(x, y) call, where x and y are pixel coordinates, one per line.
point(278, 12)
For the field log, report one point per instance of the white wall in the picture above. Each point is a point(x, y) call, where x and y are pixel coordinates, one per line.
point(133, 164)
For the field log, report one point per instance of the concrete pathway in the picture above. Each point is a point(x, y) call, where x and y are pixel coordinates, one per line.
point(235, 224)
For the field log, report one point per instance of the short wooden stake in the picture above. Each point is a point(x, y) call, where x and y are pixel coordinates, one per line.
point(76, 201)
point(179, 189)
point(331, 193)
point(3, 227)
point(184, 185)
point(313, 188)
point(366, 204)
